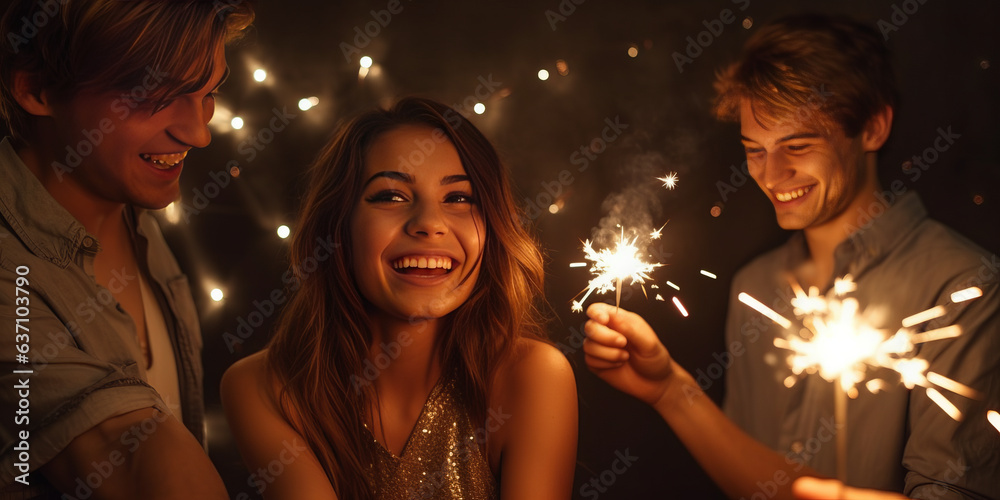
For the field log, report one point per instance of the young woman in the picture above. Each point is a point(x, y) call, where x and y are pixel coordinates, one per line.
point(408, 363)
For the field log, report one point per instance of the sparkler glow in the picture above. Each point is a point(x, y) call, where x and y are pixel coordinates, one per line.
point(840, 346)
point(611, 267)
point(669, 181)
point(656, 233)
point(994, 418)
point(680, 307)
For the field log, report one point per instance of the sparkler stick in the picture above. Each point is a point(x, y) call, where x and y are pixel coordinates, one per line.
point(840, 422)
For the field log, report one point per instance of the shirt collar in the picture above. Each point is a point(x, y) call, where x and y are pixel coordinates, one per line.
point(45, 227)
point(870, 244)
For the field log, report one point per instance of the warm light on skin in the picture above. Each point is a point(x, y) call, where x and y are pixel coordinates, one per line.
point(812, 176)
point(423, 212)
point(121, 168)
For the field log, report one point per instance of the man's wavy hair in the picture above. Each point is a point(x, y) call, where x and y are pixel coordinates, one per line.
point(812, 69)
point(70, 46)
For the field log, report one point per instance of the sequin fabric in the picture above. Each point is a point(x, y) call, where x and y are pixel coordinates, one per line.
point(441, 460)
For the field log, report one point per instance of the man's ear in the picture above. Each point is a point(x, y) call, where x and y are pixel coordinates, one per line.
point(877, 130)
point(29, 95)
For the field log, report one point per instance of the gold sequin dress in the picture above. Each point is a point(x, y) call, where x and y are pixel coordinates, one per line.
point(441, 460)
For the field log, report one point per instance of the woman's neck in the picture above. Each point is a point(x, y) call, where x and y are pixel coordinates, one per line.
point(403, 355)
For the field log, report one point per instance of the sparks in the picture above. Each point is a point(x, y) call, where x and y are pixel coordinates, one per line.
point(841, 346)
point(680, 307)
point(656, 233)
point(994, 419)
point(710, 275)
point(669, 181)
point(766, 311)
point(611, 268)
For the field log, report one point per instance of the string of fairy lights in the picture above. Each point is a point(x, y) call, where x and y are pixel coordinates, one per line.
point(225, 120)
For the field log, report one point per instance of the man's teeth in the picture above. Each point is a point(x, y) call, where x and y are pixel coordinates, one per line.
point(166, 160)
point(792, 195)
point(422, 263)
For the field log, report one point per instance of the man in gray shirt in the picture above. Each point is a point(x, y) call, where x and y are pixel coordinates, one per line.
point(814, 97)
point(101, 375)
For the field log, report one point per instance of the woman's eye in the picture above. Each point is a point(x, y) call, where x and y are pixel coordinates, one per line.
point(459, 198)
point(386, 197)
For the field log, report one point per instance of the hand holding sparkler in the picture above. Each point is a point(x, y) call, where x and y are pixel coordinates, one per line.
point(623, 349)
point(811, 488)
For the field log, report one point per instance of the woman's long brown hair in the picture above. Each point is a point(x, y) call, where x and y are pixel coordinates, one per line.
point(323, 337)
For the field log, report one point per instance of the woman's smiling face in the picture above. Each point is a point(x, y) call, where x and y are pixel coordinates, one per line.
point(417, 230)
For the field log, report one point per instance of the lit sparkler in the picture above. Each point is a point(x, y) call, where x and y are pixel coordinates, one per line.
point(994, 419)
point(840, 346)
point(669, 181)
point(611, 267)
point(655, 235)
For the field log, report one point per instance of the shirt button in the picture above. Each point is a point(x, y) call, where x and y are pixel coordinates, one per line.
point(88, 242)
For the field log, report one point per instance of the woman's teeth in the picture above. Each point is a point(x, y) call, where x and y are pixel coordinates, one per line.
point(792, 195)
point(422, 263)
point(164, 160)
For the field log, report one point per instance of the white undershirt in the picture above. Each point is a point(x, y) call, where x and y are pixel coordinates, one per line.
point(162, 372)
